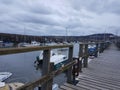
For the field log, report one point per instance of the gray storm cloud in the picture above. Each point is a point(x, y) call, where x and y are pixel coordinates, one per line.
point(52, 17)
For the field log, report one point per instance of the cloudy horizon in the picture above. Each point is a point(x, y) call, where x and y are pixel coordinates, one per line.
point(60, 17)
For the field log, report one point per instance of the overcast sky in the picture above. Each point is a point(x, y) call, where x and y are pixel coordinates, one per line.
point(60, 17)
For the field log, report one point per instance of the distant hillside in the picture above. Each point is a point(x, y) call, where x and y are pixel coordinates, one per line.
point(102, 35)
point(28, 38)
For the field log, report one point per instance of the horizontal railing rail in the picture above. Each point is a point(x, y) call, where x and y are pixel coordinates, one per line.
point(47, 77)
point(5, 51)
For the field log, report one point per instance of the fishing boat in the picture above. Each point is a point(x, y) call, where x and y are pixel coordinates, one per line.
point(4, 75)
point(58, 59)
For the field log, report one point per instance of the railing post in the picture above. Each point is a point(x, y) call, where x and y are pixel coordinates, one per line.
point(76, 70)
point(46, 68)
point(101, 47)
point(69, 71)
point(86, 56)
point(80, 56)
point(96, 51)
point(50, 82)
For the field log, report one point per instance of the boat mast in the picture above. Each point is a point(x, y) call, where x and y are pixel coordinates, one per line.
point(66, 35)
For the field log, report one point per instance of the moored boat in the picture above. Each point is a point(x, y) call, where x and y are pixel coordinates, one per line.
point(33, 43)
point(4, 75)
point(58, 59)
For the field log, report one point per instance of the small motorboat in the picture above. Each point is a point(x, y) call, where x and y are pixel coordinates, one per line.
point(58, 59)
point(4, 75)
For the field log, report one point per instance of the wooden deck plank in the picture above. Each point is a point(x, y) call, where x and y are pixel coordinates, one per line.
point(74, 87)
point(60, 89)
point(87, 87)
point(111, 82)
point(96, 84)
point(93, 85)
point(102, 78)
point(65, 88)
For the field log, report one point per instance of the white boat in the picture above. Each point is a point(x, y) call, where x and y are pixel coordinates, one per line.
point(22, 44)
point(58, 59)
point(8, 44)
point(1, 44)
point(33, 43)
point(4, 75)
point(55, 87)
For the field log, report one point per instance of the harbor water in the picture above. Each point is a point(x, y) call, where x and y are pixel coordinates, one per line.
point(22, 66)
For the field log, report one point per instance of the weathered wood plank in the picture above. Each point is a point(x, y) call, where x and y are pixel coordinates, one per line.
point(46, 69)
point(5, 51)
point(93, 85)
point(101, 84)
point(65, 88)
point(100, 79)
point(74, 86)
point(86, 87)
point(69, 71)
point(60, 89)
point(85, 61)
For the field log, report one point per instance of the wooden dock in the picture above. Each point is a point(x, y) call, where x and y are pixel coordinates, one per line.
point(103, 73)
point(99, 74)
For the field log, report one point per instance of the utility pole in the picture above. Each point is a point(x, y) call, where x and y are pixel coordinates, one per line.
point(116, 35)
point(105, 35)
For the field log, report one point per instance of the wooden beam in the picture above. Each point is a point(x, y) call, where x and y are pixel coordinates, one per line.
point(5, 51)
point(46, 67)
point(69, 71)
point(80, 56)
point(80, 50)
point(85, 62)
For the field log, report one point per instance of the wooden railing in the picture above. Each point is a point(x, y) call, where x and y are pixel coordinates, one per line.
point(45, 82)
